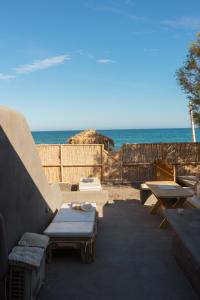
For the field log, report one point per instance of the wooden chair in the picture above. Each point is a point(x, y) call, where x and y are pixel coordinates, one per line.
point(164, 171)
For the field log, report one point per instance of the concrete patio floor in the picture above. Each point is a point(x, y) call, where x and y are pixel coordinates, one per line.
point(133, 260)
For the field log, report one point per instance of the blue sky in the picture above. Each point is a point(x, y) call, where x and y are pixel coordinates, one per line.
point(103, 64)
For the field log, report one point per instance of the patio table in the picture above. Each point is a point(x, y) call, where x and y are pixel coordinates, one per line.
point(169, 194)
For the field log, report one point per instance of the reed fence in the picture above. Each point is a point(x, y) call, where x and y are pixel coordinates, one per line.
point(68, 163)
point(138, 159)
point(132, 163)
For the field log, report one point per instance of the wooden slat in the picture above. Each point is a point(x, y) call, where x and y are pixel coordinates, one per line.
point(137, 164)
point(64, 165)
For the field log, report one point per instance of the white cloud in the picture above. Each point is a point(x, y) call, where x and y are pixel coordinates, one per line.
point(6, 77)
point(42, 64)
point(184, 22)
point(105, 61)
point(83, 53)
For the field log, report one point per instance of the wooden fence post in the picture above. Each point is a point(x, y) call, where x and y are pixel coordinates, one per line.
point(102, 163)
point(61, 163)
point(122, 163)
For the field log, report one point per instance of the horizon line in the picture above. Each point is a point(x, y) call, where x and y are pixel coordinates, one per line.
point(107, 129)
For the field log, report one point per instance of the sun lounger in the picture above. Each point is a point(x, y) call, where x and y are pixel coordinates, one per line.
point(74, 228)
point(101, 198)
point(188, 181)
point(194, 201)
point(67, 214)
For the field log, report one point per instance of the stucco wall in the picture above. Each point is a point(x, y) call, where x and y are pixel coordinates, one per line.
point(27, 201)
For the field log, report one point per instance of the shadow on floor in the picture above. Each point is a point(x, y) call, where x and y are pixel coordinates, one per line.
point(133, 261)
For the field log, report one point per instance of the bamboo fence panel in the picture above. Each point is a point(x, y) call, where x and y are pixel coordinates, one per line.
point(141, 153)
point(68, 163)
point(138, 173)
point(133, 163)
point(49, 154)
point(81, 154)
point(180, 153)
point(137, 159)
point(53, 174)
point(112, 165)
point(73, 174)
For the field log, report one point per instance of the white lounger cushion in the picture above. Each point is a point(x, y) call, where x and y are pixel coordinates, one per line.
point(31, 256)
point(70, 229)
point(90, 184)
point(90, 188)
point(190, 177)
point(68, 214)
point(30, 239)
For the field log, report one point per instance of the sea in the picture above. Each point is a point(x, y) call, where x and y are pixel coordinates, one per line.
point(123, 136)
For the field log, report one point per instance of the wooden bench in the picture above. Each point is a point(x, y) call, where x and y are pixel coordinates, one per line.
point(145, 193)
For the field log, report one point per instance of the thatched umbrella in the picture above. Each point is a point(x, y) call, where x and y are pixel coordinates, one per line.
point(91, 136)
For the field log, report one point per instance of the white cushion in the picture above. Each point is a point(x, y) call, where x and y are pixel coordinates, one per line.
point(68, 205)
point(70, 229)
point(31, 239)
point(68, 214)
point(90, 184)
point(31, 256)
point(90, 188)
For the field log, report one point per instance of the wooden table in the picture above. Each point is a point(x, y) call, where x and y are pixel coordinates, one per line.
point(169, 194)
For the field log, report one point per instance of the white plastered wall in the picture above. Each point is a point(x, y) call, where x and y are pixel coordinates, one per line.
point(17, 130)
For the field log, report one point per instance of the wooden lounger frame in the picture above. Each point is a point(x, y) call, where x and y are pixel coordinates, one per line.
point(85, 244)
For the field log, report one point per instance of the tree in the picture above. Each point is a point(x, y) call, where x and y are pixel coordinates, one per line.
point(188, 76)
